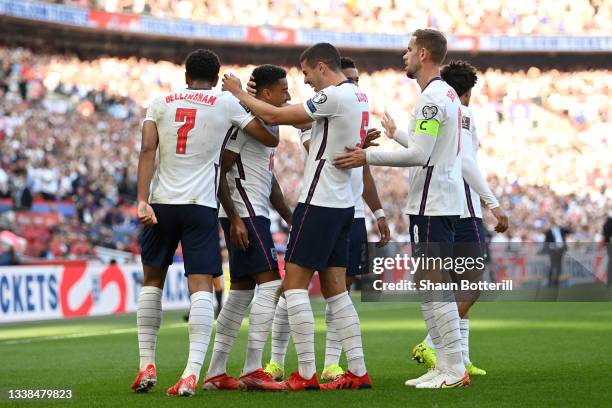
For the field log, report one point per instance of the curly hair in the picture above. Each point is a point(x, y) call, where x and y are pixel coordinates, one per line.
point(346, 62)
point(461, 75)
point(202, 65)
point(266, 75)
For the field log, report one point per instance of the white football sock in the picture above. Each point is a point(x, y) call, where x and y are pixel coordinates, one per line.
point(260, 322)
point(148, 320)
point(447, 324)
point(301, 322)
point(201, 316)
point(280, 332)
point(430, 322)
point(228, 325)
point(347, 325)
point(429, 342)
point(464, 327)
point(333, 347)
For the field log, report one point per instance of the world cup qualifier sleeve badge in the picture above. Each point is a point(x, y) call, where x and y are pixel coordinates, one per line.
point(429, 111)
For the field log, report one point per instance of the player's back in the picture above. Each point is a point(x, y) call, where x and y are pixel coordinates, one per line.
point(192, 127)
point(437, 187)
point(341, 115)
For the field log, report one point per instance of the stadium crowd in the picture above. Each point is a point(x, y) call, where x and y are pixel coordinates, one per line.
point(509, 17)
point(70, 133)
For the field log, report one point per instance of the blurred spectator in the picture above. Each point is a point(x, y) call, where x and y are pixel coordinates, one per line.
point(511, 17)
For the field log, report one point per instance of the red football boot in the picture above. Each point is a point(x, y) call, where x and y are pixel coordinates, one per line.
point(348, 381)
point(260, 380)
point(146, 379)
point(186, 387)
point(221, 382)
point(296, 382)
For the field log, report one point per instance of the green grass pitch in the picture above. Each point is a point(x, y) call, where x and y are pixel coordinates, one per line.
point(536, 354)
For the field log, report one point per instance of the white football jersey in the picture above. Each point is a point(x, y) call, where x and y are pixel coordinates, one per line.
point(341, 115)
point(193, 126)
point(468, 130)
point(436, 189)
point(250, 178)
point(356, 179)
point(357, 187)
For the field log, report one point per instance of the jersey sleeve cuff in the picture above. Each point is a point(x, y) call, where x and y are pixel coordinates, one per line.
point(246, 121)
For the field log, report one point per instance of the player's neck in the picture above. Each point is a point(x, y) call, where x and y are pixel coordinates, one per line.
point(427, 74)
point(334, 78)
point(199, 85)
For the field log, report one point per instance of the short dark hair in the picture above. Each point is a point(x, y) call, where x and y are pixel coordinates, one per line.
point(322, 52)
point(346, 62)
point(203, 65)
point(433, 41)
point(461, 75)
point(266, 75)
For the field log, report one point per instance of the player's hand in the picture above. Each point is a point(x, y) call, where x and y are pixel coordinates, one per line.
point(145, 212)
point(383, 230)
point(239, 235)
point(502, 220)
point(231, 83)
point(372, 135)
point(251, 86)
point(355, 157)
point(389, 125)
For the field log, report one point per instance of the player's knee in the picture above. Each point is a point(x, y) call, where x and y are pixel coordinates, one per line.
point(200, 282)
point(154, 276)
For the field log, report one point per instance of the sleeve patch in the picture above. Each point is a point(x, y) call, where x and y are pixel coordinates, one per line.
point(430, 111)
point(319, 98)
point(429, 127)
point(311, 106)
point(465, 122)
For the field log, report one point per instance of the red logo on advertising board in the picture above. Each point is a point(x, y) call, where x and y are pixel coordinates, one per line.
point(74, 272)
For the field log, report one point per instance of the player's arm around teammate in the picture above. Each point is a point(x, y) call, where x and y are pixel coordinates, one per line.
point(340, 113)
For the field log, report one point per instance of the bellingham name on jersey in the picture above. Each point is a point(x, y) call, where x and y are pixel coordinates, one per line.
point(193, 127)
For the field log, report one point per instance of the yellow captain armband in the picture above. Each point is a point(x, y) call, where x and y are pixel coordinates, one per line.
point(427, 126)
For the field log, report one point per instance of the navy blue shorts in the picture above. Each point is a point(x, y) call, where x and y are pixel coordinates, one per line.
point(196, 227)
point(259, 257)
point(319, 236)
point(469, 244)
point(469, 237)
point(358, 248)
point(432, 235)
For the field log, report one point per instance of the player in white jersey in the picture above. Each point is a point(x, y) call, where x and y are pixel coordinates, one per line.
point(435, 199)
point(178, 204)
point(339, 113)
point(469, 230)
point(245, 189)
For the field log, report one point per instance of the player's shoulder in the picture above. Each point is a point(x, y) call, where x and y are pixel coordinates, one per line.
point(440, 91)
point(228, 99)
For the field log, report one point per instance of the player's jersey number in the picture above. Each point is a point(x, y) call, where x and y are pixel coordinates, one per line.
point(188, 116)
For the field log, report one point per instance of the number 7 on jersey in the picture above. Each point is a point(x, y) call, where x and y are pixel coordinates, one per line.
point(188, 116)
